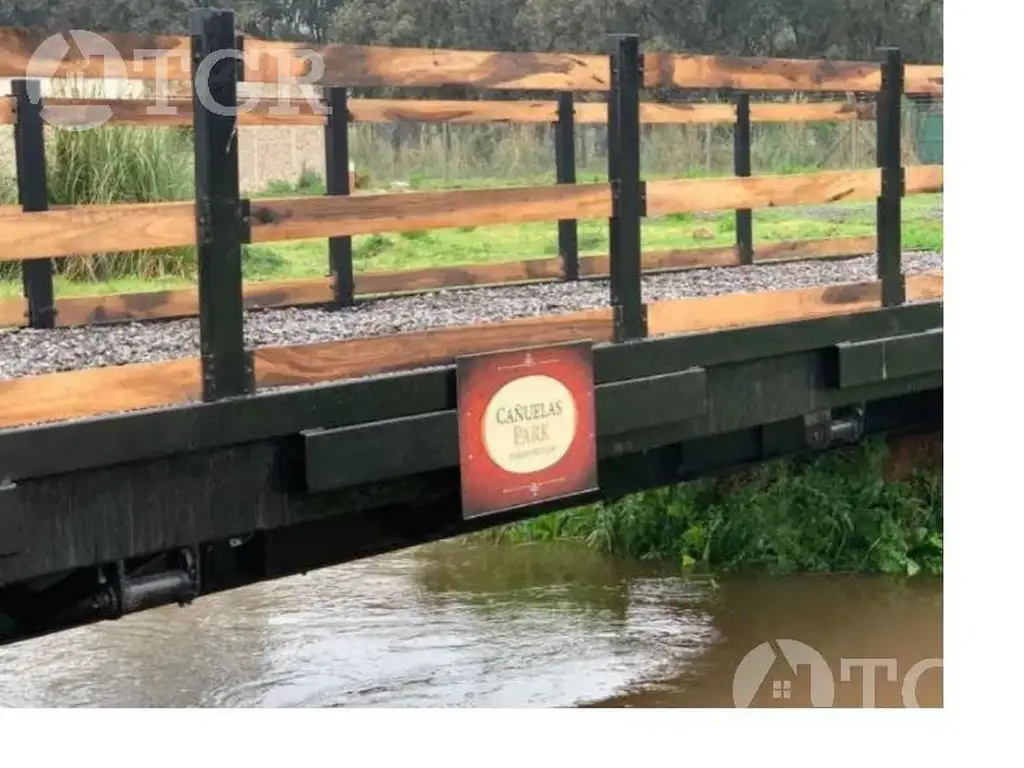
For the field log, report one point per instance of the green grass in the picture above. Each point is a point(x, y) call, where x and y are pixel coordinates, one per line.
point(478, 245)
point(834, 513)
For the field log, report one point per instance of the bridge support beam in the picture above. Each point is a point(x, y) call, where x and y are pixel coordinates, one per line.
point(628, 194)
point(222, 223)
point(890, 160)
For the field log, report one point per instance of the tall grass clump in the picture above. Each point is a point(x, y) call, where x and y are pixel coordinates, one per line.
point(836, 512)
point(121, 164)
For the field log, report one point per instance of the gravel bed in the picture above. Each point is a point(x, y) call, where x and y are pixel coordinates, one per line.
point(26, 352)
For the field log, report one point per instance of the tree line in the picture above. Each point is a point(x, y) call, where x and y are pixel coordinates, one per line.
point(838, 29)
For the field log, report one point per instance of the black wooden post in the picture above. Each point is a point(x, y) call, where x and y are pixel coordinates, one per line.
point(890, 161)
point(30, 162)
point(565, 170)
point(221, 215)
point(336, 156)
point(741, 167)
point(628, 193)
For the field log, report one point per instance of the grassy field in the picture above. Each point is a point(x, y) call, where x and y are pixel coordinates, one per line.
point(922, 229)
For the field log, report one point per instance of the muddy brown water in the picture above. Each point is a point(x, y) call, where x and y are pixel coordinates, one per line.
point(455, 624)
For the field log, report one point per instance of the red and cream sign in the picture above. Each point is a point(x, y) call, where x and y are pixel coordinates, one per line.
point(526, 427)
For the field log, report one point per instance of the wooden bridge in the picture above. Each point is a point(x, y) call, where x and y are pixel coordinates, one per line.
point(128, 486)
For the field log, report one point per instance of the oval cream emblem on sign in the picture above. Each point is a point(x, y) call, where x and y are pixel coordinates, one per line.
point(529, 424)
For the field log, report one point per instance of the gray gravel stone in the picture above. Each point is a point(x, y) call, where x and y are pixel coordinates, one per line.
point(26, 352)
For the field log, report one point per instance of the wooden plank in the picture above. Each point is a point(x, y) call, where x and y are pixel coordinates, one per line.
point(77, 394)
point(120, 111)
point(759, 74)
point(272, 111)
point(94, 391)
point(356, 65)
point(267, 111)
point(363, 65)
point(692, 195)
point(809, 113)
point(530, 270)
point(182, 302)
point(653, 261)
point(139, 112)
point(153, 305)
point(824, 248)
point(96, 229)
point(653, 113)
point(450, 111)
point(923, 179)
point(923, 79)
point(329, 361)
point(764, 308)
point(13, 312)
point(305, 217)
point(143, 56)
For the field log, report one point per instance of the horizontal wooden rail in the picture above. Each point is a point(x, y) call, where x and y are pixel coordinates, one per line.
point(308, 217)
point(184, 302)
point(450, 111)
point(663, 114)
point(811, 112)
point(923, 179)
point(370, 65)
point(768, 307)
point(18, 46)
point(92, 392)
point(759, 74)
point(922, 79)
point(124, 227)
point(88, 229)
point(149, 57)
point(692, 195)
point(770, 74)
point(653, 113)
point(271, 112)
point(171, 112)
point(348, 65)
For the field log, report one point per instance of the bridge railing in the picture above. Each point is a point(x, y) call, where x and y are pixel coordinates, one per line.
point(220, 221)
point(568, 266)
point(167, 57)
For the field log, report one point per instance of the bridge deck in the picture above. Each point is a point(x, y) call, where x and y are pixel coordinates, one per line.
point(27, 352)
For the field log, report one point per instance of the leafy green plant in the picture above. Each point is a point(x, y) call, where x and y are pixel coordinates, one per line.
point(369, 247)
point(835, 512)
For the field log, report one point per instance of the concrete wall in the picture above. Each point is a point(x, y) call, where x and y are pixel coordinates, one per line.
point(272, 153)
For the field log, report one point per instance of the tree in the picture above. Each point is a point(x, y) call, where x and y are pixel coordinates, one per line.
point(850, 29)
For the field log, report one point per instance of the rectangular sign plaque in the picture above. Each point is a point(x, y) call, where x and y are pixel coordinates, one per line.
point(527, 426)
